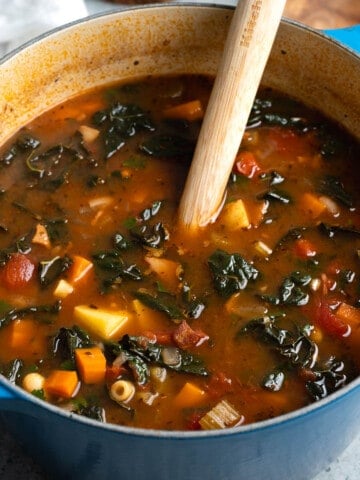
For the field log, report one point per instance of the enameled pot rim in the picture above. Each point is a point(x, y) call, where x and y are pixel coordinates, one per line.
point(19, 395)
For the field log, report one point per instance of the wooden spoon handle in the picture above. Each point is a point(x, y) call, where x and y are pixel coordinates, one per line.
point(247, 47)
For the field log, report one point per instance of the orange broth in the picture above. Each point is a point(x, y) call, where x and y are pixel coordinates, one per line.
point(255, 317)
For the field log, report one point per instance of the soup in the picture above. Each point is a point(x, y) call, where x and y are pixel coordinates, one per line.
point(111, 310)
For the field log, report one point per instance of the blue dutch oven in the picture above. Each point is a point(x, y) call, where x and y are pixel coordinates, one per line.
point(187, 38)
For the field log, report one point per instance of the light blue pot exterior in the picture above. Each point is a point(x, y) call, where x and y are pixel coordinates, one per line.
point(292, 447)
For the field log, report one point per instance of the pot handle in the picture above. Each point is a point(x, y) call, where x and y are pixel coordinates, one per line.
point(349, 36)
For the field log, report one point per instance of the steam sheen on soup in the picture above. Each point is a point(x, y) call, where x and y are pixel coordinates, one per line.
point(110, 310)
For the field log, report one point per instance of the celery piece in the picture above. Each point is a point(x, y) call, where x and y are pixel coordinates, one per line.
point(223, 415)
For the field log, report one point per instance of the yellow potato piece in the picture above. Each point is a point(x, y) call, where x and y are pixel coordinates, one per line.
point(103, 323)
point(234, 215)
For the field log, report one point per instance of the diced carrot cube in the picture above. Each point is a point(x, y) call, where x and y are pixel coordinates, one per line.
point(189, 396)
point(189, 111)
point(61, 383)
point(80, 267)
point(312, 205)
point(349, 314)
point(91, 364)
point(23, 338)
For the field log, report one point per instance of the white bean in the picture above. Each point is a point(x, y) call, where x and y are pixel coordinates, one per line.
point(33, 381)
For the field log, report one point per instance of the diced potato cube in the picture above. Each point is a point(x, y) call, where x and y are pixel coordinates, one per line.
point(63, 289)
point(234, 215)
point(89, 134)
point(167, 270)
point(103, 323)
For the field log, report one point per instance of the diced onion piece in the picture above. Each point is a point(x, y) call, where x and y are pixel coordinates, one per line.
point(100, 202)
point(41, 236)
point(315, 284)
point(147, 397)
point(33, 381)
point(331, 206)
point(168, 271)
point(122, 391)
point(263, 249)
point(63, 289)
point(89, 134)
point(223, 415)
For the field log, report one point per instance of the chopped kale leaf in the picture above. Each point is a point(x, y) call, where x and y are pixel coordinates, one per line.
point(112, 269)
point(334, 188)
point(168, 146)
point(231, 272)
point(67, 340)
point(120, 122)
point(290, 292)
point(50, 270)
point(14, 313)
point(140, 353)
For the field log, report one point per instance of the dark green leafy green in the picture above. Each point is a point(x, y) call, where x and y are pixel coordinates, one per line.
point(21, 245)
point(24, 143)
point(334, 188)
point(263, 113)
point(112, 269)
point(140, 353)
point(90, 410)
point(290, 291)
point(276, 195)
point(152, 236)
point(301, 352)
point(327, 379)
point(50, 270)
point(231, 272)
point(332, 230)
point(168, 146)
point(120, 122)
point(273, 177)
point(163, 302)
point(67, 340)
point(41, 313)
point(13, 370)
point(52, 168)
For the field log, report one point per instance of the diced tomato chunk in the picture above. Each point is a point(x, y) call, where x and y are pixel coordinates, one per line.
point(113, 372)
point(17, 272)
point(186, 337)
point(329, 322)
point(304, 249)
point(286, 140)
point(246, 164)
point(219, 385)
